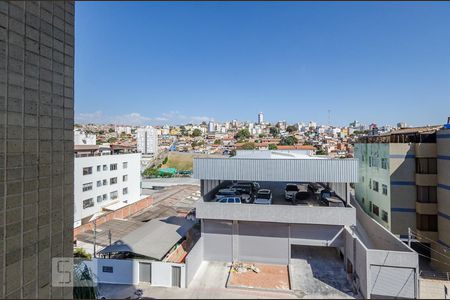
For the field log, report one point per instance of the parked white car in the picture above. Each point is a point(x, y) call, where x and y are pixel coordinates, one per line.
point(229, 200)
point(263, 196)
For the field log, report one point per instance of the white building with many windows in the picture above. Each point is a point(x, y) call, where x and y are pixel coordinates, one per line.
point(147, 140)
point(105, 182)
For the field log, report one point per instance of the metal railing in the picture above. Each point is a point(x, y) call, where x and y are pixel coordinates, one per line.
point(435, 275)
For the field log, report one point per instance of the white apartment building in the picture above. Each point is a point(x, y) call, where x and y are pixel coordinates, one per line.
point(211, 126)
point(105, 181)
point(120, 129)
point(147, 140)
point(83, 138)
point(260, 118)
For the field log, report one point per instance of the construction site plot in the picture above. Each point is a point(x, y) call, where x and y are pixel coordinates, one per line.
point(258, 276)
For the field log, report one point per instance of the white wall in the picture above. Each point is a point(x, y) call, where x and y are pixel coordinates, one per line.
point(126, 271)
point(133, 183)
point(194, 260)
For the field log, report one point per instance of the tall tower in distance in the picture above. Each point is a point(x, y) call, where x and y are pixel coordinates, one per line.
point(260, 118)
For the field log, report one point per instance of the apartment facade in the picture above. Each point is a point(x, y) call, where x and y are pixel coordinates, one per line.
point(36, 145)
point(276, 233)
point(147, 140)
point(404, 185)
point(105, 181)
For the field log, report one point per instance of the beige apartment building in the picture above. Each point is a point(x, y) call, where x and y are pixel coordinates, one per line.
point(405, 184)
point(36, 145)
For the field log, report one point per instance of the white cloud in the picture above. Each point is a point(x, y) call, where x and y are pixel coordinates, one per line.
point(134, 118)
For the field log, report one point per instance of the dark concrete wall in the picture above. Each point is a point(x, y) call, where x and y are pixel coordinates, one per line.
point(36, 144)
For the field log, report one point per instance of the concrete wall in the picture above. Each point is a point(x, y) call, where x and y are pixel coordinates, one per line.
point(36, 144)
point(277, 213)
point(217, 240)
point(126, 271)
point(194, 260)
point(443, 197)
point(162, 274)
point(316, 235)
point(133, 182)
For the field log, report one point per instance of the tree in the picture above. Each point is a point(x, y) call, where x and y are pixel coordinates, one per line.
point(196, 132)
point(273, 147)
point(248, 146)
point(81, 253)
point(261, 135)
point(290, 140)
point(243, 134)
point(165, 160)
point(291, 129)
point(233, 153)
point(112, 140)
point(274, 131)
point(111, 130)
point(101, 132)
point(204, 123)
point(321, 152)
point(217, 142)
point(150, 172)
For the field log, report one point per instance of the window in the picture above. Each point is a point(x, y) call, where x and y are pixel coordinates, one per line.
point(384, 163)
point(363, 179)
point(113, 195)
point(99, 168)
point(107, 269)
point(99, 183)
point(375, 186)
point(87, 186)
point(99, 199)
point(385, 191)
point(376, 210)
point(125, 178)
point(362, 157)
point(88, 203)
point(426, 222)
point(105, 182)
point(426, 194)
point(370, 161)
point(105, 168)
point(125, 191)
point(363, 200)
point(426, 166)
point(105, 197)
point(370, 206)
point(125, 165)
point(384, 216)
point(112, 167)
point(87, 170)
point(113, 180)
point(370, 183)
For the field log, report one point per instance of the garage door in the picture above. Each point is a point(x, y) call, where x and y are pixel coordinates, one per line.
point(263, 242)
point(217, 239)
point(392, 282)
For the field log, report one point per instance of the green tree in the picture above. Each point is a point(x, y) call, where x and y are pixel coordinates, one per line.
point(291, 129)
point(150, 172)
point(248, 146)
point(165, 160)
point(243, 134)
point(101, 132)
point(196, 132)
point(81, 253)
point(261, 135)
point(290, 140)
point(233, 152)
point(321, 152)
point(112, 140)
point(217, 142)
point(273, 147)
point(274, 131)
point(110, 130)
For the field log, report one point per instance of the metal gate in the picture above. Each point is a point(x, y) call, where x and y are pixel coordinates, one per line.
point(176, 276)
point(145, 272)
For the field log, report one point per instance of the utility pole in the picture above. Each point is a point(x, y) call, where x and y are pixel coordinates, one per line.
point(109, 237)
point(409, 236)
point(95, 238)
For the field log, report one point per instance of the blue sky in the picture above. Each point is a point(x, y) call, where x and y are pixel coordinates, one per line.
point(179, 62)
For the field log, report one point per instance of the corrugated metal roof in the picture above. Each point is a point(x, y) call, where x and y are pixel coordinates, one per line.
point(260, 169)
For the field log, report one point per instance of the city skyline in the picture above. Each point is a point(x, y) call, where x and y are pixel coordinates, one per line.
point(337, 57)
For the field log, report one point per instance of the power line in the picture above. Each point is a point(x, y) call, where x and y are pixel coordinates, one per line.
point(421, 235)
point(430, 247)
